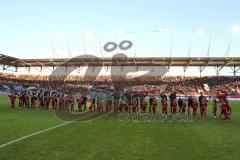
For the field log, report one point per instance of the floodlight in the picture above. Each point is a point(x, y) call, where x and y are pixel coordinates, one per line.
point(170, 31)
point(88, 35)
point(235, 29)
point(164, 30)
point(200, 32)
point(120, 31)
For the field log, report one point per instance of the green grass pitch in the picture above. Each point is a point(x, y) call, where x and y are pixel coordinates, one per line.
point(107, 138)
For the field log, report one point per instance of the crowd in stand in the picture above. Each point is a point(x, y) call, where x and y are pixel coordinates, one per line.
point(181, 85)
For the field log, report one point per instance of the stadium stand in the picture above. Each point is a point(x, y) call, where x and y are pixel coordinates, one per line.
point(182, 85)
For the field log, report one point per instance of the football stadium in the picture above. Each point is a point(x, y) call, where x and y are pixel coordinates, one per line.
point(130, 80)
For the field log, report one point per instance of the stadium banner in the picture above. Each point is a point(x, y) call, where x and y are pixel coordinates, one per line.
point(4, 93)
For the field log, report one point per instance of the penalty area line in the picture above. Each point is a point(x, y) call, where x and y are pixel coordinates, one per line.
point(39, 132)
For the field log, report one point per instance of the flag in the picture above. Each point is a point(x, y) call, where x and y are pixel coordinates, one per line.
point(206, 87)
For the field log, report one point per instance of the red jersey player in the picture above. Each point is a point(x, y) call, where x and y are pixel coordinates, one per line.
point(225, 109)
point(54, 101)
point(164, 105)
point(61, 103)
point(203, 107)
point(194, 107)
point(134, 105)
point(173, 103)
point(126, 106)
point(12, 99)
point(143, 105)
point(47, 101)
point(154, 105)
point(66, 103)
point(20, 101)
point(173, 107)
point(40, 102)
point(34, 98)
point(183, 108)
point(27, 101)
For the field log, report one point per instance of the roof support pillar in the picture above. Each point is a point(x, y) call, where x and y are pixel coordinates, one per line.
point(185, 69)
point(218, 69)
point(235, 69)
point(28, 69)
point(201, 69)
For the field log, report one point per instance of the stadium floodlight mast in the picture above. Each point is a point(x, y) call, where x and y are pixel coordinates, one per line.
point(234, 30)
point(200, 32)
point(121, 32)
point(171, 34)
point(54, 49)
point(89, 36)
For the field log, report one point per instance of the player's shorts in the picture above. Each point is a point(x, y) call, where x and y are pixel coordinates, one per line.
point(144, 108)
point(203, 109)
point(126, 108)
point(154, 108)
point(183, 110)
point(223, 110)
point(174, 110)
point(194, 109)
point(164, 109)
point(134, 109)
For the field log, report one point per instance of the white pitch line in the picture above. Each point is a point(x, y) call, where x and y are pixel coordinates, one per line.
point(39, 132)
point(33, 134)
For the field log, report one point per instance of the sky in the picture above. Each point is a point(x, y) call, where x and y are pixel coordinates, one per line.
point(57, 28)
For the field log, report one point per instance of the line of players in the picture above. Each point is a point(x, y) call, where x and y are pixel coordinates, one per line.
point(63, 102)
point(124, 102)
point(180, 106)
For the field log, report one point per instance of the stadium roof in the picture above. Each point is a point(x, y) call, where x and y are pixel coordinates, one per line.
point(119, 61)
point(7, 60)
